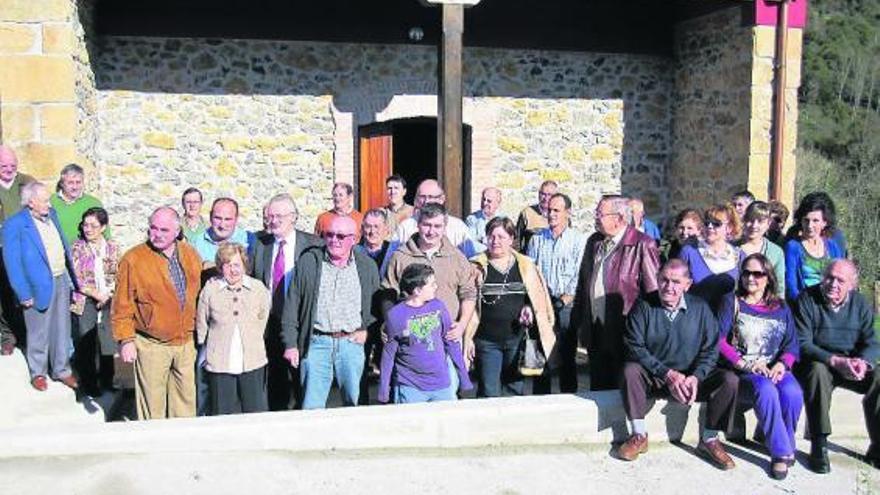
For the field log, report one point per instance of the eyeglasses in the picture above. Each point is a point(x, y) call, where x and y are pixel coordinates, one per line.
point(339, 236)
point(713, 222)
point(750, 273)
point(599, 215)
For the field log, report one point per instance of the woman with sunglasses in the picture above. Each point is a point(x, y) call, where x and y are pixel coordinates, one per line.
point(714, 262)
point(811, 249)
point(758, 339)
point(756, 223)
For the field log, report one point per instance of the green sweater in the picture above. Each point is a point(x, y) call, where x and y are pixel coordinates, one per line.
point(10, 199)
point(70, 214)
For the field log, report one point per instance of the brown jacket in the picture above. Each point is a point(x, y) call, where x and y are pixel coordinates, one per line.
point(453, 272)
point(220, 310)
point(630, 271)
point(538, 297)
point(145, 300)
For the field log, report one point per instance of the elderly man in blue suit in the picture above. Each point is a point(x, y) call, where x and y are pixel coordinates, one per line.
point(38, 262)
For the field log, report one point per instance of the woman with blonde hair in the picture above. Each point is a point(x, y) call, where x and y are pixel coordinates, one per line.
point(231, 320)
point(714, 262)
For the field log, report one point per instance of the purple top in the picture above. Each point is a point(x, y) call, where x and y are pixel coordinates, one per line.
point(714, 288)
point(762, 332)
point(416, 351)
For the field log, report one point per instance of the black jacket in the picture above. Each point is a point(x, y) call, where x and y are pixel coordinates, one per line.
point(298, 318)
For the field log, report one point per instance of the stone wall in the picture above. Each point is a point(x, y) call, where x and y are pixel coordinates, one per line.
point(39, 98)
point(710, 121)
point(251, 118)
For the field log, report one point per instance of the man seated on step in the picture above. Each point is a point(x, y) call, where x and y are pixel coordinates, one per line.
point(429, 191)
point(671, 345)
point(835, 327)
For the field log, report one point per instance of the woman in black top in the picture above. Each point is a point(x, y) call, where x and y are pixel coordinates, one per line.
point(504, 312)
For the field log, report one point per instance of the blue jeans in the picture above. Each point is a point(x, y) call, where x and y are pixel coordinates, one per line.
point(327, 358)
point(404, 394)
point(497, 367)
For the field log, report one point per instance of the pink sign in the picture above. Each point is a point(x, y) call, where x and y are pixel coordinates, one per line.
point(766, 13)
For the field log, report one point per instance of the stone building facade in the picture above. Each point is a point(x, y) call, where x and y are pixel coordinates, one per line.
point(149, 117)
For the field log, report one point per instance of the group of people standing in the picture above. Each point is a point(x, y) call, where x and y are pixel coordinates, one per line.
point(218, 320)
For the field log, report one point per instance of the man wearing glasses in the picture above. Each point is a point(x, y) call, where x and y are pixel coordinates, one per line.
point(429, 191)
point(274, 258)
point(619, 265)
point(327, 313)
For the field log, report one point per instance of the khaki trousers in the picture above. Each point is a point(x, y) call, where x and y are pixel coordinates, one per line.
point(164, 379)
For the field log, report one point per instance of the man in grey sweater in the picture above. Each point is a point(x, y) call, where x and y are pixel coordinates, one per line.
point(838, 349)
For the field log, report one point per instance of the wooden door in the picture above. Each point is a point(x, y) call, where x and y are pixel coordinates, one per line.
point(376, 161)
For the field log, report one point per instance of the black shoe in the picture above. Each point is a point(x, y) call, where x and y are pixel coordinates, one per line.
point(872, 457)
point(818, 461)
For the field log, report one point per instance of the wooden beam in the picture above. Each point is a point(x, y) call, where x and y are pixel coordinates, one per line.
point(449, 108)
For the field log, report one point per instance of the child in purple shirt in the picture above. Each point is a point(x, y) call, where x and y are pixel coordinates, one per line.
point(414, 360)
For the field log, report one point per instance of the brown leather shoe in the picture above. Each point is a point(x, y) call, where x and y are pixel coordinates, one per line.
point(633, 446)
point(39, 382)
point(70, 381)
point(714, 451)
point(7, 349)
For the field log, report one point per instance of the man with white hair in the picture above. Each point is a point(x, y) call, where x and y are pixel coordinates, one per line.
point(11, 182)
point(490, 201)
point(620, 265)
point(640, 221)
point(154, 318)
point(274, 258)
point(839, 348)
point(40, 269)
point(71, 201)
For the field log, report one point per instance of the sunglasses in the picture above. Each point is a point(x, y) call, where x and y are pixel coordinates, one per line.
point(713, 222)
point(749, 273)
point(339, 236)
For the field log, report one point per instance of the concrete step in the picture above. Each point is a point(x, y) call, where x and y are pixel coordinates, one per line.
point(592, 418)
point(24, 407)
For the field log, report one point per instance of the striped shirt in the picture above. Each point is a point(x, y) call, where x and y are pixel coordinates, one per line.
point(558, 259)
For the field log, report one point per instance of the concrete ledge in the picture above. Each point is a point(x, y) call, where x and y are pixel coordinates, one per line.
point(22, 406)
point(532, 420)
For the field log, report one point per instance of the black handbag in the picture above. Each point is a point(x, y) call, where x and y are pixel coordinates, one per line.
point(532, 359)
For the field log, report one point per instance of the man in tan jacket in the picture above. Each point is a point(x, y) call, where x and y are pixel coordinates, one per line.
point(154, 318)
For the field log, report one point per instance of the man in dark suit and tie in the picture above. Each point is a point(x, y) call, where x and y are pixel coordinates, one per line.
point(274, 257)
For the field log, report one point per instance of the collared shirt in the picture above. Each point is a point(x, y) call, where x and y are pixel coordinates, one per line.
point(672, 313)
point(206, 245)
point(52, 243)
point(289, 259)
point(477, 222)
point(338, 308)
point(456, 231)
point(597, 301)
point(558, 259)
point(178, 278)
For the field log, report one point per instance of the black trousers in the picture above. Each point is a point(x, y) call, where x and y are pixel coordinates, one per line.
point(606, 355)
point(282, 379)
point(819, 381)
point(93, 349)
point(718, 391)
point(233, 394)
point(566, 342)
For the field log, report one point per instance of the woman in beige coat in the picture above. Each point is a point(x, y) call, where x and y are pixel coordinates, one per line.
point(231, 320)
point(513, 299)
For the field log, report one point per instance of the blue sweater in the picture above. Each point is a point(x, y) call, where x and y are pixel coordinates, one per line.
point(823, 332)
point(795, 275)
